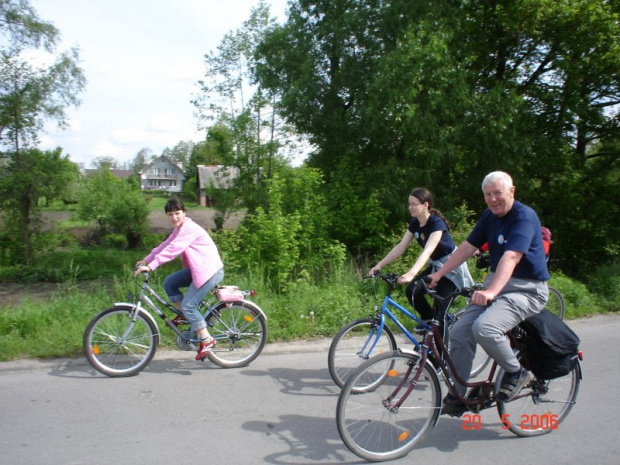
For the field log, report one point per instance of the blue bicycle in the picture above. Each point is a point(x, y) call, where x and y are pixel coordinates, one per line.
point(356, 341)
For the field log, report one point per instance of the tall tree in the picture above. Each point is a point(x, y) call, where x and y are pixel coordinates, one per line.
point(230, 97)
point(105, 163)
point(28, 177)
point(29, 95)
point(181, 153)
point(438, 93)
point(141, 159)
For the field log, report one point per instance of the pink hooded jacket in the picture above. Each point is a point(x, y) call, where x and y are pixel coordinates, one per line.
point(197, 250)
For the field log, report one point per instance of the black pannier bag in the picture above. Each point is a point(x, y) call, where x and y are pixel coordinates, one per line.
point(551, 347)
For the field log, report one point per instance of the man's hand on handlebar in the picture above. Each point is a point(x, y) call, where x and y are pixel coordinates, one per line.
point(483, 297)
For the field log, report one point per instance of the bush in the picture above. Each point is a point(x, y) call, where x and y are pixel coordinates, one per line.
point(605, 282)
point(291, 238)
point(116, 207)
point(578, 299)
point(114, 241)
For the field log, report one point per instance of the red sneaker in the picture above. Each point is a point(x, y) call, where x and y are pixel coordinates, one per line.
point(205, 348)
point(179, 320)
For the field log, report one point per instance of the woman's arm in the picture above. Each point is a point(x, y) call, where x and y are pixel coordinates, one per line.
point(396, 252)
point(429, 248)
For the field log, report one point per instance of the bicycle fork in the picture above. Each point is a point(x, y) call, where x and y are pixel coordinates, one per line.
point(394, 406)
point(376, 329)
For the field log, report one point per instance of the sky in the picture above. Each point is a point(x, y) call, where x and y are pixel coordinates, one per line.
point(142, 60)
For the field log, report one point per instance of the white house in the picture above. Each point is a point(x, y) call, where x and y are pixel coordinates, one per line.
point(162, 174)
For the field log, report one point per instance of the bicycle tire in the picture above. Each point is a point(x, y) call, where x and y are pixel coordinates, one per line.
point(541, 405)
point(346, 349)
point(109, 353)
point(376, 431)
point(240, 331)
point(555, 304)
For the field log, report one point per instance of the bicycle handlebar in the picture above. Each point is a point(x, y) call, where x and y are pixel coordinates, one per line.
point(392, 279)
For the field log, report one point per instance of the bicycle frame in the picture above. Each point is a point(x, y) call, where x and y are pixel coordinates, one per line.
point(448, 371)
point(149, 297)
point(375, 332)
point(384, 311)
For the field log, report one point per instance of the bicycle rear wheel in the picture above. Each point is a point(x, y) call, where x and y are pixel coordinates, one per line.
point(555, 304)
point(352, 345)
point(118, 347)
point(369, 423)
point(541, 405)
point(240, 331)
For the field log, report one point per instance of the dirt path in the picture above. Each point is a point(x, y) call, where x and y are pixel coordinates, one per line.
point(203, 216)
point(158, 220)
point(13, 293)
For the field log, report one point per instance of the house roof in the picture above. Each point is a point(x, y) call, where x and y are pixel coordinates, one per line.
point(163, 158)
point(218, 176)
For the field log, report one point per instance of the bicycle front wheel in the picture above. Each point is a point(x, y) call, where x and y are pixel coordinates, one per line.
point(240, 331)
point(353, 345)
point(371, 424)
point(555, 304)
point(117, 346)
point(541, 405)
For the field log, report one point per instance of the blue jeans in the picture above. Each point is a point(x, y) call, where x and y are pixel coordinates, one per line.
point(190, 302)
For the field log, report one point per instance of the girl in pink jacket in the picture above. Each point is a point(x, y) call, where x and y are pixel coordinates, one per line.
point(202, 270)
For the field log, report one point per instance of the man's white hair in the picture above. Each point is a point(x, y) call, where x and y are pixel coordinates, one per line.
point(495, 176)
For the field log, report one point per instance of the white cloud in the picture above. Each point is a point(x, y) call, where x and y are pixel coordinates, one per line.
point(142, 59)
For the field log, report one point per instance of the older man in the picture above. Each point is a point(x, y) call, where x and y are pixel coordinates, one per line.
point(515, 289)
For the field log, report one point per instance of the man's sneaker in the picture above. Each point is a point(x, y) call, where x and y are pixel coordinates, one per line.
point(452, 406)
point(512, 384)
point(205, 348)
point(179, 320)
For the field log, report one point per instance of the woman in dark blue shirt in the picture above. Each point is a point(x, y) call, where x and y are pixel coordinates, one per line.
point(430, 229)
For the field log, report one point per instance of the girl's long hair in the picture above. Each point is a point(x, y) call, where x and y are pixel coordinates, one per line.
point(424, 195)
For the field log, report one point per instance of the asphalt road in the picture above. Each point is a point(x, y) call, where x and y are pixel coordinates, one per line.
point(279, 410)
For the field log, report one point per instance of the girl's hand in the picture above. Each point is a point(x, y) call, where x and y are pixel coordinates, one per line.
point(433, 280)
point(374, 270)
point(141, 269)
point(406, 278)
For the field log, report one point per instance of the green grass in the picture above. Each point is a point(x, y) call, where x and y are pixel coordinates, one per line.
point(90, 281)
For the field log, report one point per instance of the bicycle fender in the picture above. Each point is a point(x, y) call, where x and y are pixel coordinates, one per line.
point(131, 306)
point(245, 303)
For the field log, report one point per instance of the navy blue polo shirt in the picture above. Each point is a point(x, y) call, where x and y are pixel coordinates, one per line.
point(519, 231)
point(422, 233)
